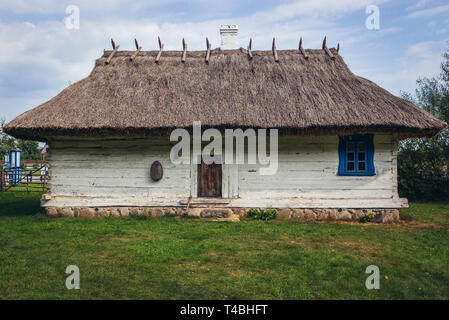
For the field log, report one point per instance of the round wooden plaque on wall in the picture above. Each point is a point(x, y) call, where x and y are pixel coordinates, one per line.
point(156, 171)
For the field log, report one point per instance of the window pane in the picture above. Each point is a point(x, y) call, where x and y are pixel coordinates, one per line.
point(351, 156)
point(350, 146)
point(361, 156)
point(350, 166)
point(361, 146)
point(362, 166)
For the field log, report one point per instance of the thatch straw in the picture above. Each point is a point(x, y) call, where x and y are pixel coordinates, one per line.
point(298, 96)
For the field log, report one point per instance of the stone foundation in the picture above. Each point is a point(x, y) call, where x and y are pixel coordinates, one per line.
point(228, 214)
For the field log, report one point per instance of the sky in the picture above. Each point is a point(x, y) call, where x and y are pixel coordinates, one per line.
point(43, 49)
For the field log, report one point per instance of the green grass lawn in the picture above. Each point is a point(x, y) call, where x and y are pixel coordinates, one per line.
point(32, 187)
point(185, 258)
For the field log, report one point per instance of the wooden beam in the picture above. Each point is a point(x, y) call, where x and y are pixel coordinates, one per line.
point(326, 49)
point(115, 49)
point(188, 202)
point(250, 54)
point(302, 50)
point(338, 47)
point(275, 53)
point(208, 50)
point(133, 57)
point(184, 51)
point(161, 47)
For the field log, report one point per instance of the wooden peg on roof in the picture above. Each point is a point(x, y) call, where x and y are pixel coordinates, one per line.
point(250, 54)
point(161, 47)
point(208, 50)
point(275, 53)
point(338, 47)
point(184, 51)
point(133, 57)
point(326, 49)
point(302, 50)
point(115, 49)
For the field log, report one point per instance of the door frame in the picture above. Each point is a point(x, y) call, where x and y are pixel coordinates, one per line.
point(194, 177)
point(217, 189)
point(229, 179)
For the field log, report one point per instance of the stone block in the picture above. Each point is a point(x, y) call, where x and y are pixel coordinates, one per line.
point(285, 213)
point(87, 212)
point(51, 211)
point(215, 213)
point(298, 213)
point(309, 214)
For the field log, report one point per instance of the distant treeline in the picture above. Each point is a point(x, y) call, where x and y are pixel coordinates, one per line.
point(423, 164)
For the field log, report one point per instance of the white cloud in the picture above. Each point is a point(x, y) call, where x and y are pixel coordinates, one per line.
point(421, 49)
point(13, 106)
point(47, 7)
point(314, 8)
point(420, 59)
point(429, 12)
point(419, 4)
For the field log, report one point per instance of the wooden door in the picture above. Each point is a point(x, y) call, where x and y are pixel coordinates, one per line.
point(209, 180)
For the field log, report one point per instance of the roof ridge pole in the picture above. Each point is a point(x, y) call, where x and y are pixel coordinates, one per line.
point(133, 57)
point(208, 50)
point(184, 51)
point(250, 54)
point(275, 53)
point(326, 49)
point(338, 47)
point(115, 49)
point(302, 50)
point(161, 47)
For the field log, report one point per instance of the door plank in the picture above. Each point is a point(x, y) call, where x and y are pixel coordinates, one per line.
point(209, 180)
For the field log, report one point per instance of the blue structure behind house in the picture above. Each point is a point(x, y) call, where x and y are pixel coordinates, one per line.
point(15, 168)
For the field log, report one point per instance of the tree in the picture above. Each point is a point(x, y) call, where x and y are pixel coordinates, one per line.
point(30, 149)
point(6, 142)
point(423, 164)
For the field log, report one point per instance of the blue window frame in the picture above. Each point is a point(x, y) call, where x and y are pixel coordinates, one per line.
point(356, 154)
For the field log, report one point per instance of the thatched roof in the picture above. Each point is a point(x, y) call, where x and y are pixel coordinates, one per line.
point(141, 97)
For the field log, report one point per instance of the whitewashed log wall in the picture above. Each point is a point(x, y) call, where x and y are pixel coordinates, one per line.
point(116, 172)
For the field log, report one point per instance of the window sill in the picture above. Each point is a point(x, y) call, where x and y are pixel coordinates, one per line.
point(356, 174)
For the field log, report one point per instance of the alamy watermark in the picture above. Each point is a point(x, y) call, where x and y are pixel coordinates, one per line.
point(72, 20)
point(373, 280)
point(189, 150)
point(372, 22)
point(73, 280)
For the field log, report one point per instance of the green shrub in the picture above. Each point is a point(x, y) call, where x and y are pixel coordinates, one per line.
point(367, 218)
point(262, 214)
point(423, 168)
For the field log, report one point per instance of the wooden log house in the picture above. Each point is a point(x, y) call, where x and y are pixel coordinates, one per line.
point(338, 134)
